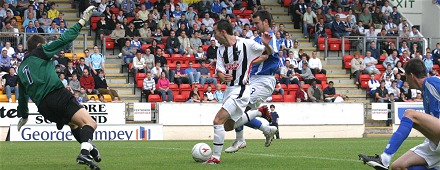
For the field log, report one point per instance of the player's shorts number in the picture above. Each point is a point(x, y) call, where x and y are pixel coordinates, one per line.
point(253, 90)
point(28, 74)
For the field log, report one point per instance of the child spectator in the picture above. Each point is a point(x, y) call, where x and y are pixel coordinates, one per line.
point(79, 99)
point(64, 81)
point(83, 95)
point(218, 94)
point(208, 95)
point(274, 120)
point(74, 83)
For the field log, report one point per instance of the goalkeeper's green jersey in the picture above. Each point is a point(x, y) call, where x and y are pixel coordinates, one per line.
point(37, 76)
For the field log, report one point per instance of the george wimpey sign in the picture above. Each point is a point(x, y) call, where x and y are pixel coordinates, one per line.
point(104, 132)
point(102, 113)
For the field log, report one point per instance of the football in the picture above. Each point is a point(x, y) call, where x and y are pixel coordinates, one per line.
point(201, 152)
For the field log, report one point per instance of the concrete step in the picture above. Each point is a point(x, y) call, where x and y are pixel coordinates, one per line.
point(283, 18)
point(113, 70)
point(63, 5)
point(123, 85)
point(277, 10)
point(70, 14)
point(342, 81)
point(350, 92)
point(379, 130)
point(337, 76)
point(124, 90)
point(334, 71)
point(116, 80)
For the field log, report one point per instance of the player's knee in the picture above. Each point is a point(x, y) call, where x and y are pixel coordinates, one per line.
point(411, 114)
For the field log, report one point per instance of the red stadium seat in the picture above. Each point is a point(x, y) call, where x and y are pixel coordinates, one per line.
point(290, 98)
point(205, 47)
point(347, 61)
point(179, 98)
point(292, 88)
point(277, 98)
point(321, 77)
point(380, 67)
point(154, 98)
point(185, 87)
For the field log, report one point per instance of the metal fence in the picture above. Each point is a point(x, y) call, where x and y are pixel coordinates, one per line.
point(384, 43)
point(21, 38)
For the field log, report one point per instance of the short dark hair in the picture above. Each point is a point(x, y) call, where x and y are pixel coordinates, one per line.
point(224, 25)
point(272, 106)
point(263, 14)
point(415, 67)
point(33, 42)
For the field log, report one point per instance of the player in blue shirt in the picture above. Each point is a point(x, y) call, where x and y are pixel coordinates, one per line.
point(262, 82)
point(427, 154)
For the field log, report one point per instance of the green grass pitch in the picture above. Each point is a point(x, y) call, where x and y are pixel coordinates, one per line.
point(126, 155)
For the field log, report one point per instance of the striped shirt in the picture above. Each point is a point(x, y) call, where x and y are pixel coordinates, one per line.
point(237, 60)
point(431, 96)
point(149, 84)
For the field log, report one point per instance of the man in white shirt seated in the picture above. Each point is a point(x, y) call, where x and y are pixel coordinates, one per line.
point(316, 65)
point(371, 62)
point(373, 84)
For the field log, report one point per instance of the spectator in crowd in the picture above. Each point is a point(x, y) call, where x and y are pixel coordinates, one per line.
point(308, 18)
point(53, 12)
point(301, 94)
point(139, 63)
point(77, 97)
point(128, 52)
point(205, 35)
point(88, 83)
point(381, 93)
point(160, 57)
point(104, 27)
point(205, 75)
point(436, 54)
point(97, 61)
point(399, 81)
point(392, 28)
point(320, 31)
point(149, 86)
point(128, 7)
point(156, 71)
point(169, 73)
point(83, 95)
point(5, 9)
point(145, 33)
point(218, 94)
point(30, 28)
point(164, 88)
point(101, 99)
point(373, 84)
point(402, 98)
point(278, 89)
point(194, 91)
point(180, 75)
point(173, 44)
point(118, 35)
point(314, 92)
point(63, 79)
point(370, 63)
point(418, 97)
point(405, 89)
point(93, 100)
point(81, 66)
point(405, 57)
point(391, 60)
point(212, 52)
point(330, 92)
point(10, 50)
point(428, 62)
point(192, 73)
point(208, 95)
point(69, 71)
point(307, 74)
point(31, 18)
point(62, 60)
point(274, 120)
point(149, 59)
point(200, 55)
point(60, 19)
point(203, 6)
point(398, 69)
point(358, 66)
point(131, 31)
point(10, 83)
point(338, 28)
point(315, 64)
point(394, 89)
point(185, 44)
point(208, 22)
point(5, 61)
point(196, 42)
point(74, 83)
point(194, 97)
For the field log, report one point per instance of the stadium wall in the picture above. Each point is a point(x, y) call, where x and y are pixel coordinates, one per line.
point(421, 12)
point(183, 121)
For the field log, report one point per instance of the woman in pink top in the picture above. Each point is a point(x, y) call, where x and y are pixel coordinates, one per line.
point(164, 87)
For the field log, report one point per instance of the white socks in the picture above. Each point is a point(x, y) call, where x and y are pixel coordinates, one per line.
point(219, 139)
point(264, 129)
point(386, 159)
point(252, 114)
point(87, 146)
point(239, 136)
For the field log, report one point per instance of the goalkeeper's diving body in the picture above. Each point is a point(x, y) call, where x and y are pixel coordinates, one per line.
point(39, 81)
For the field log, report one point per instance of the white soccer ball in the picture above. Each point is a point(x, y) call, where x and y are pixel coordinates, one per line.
point(201, 152)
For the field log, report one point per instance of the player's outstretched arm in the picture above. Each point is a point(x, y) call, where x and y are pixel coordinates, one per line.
point(265, 39)
point(66, 38)
point(22, 108)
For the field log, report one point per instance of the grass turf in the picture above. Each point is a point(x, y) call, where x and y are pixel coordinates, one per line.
point(283, 154)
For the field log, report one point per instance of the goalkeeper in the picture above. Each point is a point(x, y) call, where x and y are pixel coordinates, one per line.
point(39, 81)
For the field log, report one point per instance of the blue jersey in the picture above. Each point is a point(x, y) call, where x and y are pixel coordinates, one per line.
point(431, 96)
point(271, 64)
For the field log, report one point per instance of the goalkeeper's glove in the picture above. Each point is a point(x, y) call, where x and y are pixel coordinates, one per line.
point(86, 15)
point(21, 123)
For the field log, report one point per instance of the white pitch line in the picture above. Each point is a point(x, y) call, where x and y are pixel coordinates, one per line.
point(269, 155)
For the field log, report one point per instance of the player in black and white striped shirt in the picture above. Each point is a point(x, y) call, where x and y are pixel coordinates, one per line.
point(234, 61)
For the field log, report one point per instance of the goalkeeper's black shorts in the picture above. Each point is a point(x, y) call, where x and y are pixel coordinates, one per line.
point(59, 106)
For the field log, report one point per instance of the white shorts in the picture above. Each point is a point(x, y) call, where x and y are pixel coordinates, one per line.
point(235, 101)
point(261, 87)
point(430, 152)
